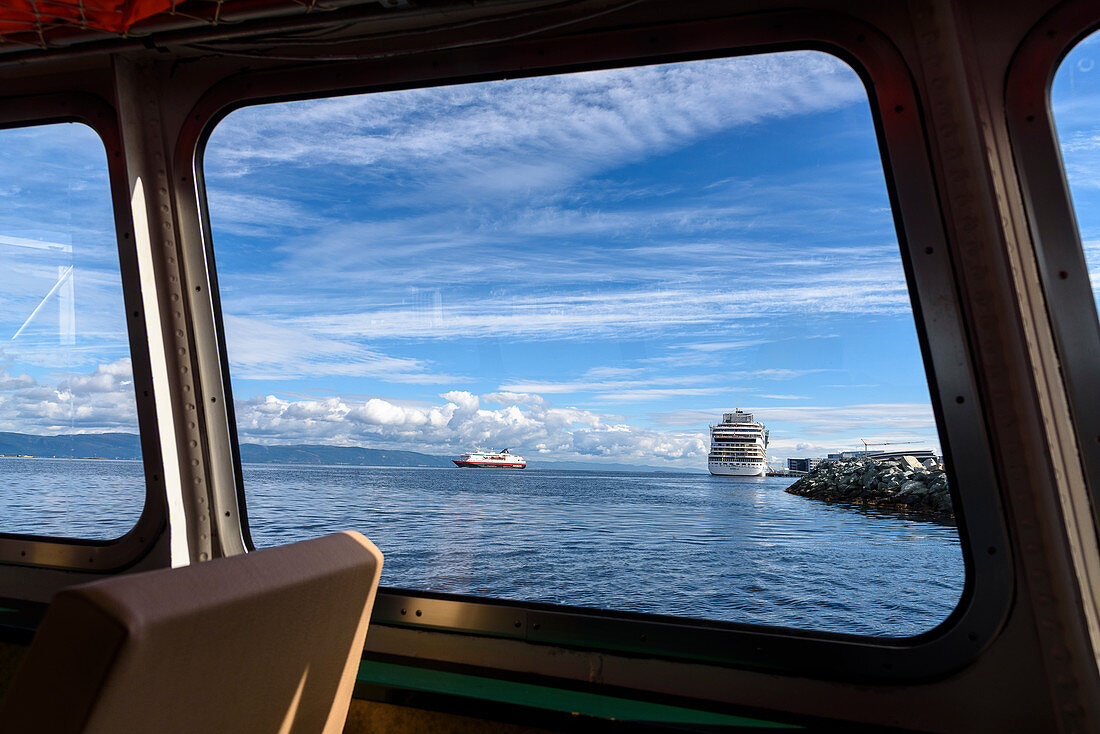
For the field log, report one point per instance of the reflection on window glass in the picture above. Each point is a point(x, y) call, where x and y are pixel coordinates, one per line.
point(590, 271)
point(1075, 97)
point(69, 453)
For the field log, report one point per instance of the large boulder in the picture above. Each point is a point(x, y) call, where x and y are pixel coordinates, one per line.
point(910, 462)
point(903, 484)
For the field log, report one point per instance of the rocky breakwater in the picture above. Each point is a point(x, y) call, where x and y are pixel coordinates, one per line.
point(899, 483)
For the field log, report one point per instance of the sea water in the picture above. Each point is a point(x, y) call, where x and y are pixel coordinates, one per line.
point(687, 544)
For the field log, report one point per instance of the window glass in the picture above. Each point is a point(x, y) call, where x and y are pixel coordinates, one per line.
point(1075, 97)
point(69, 452)
point(588, 270)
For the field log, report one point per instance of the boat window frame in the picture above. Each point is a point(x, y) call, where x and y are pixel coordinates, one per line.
point(1071, 306)
point(989, 580)
point(85, 554)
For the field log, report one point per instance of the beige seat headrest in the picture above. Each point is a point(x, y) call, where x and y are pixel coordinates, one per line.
point(269, 641)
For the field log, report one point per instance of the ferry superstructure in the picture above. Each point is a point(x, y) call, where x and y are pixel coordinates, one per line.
point(483, 459)
point(738, 446)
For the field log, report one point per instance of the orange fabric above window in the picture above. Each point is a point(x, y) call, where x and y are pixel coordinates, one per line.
point(38, 16)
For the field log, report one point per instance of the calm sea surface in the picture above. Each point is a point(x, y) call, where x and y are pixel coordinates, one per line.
point(690, 545)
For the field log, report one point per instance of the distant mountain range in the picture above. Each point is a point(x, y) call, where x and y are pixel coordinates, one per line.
point(127, 446)
point(87, 445)
point(254, 453)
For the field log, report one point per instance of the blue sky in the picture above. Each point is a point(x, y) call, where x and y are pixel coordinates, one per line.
point(583, 267)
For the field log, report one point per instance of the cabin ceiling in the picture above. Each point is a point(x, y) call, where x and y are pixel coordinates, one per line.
point(282, 31)
point(32, 29)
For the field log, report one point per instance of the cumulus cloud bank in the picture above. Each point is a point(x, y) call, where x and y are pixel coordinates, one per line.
point(529, 423)
point(464, 421)
point(95, 402)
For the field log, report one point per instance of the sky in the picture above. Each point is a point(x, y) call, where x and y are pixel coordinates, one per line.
point(587, 267)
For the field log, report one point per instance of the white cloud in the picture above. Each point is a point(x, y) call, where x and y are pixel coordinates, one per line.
point(1092, 261)
point(687, 417)
point(238, 212)
point(261, 349)
point(866, 417)
point(94, 402)
point(617, 384)
point(619, 312)
point(506, 397)
point(499, 137)
point(722, 346)
point(1081, 141)
point(676, 246)
point(783, 374)
point(659, 393)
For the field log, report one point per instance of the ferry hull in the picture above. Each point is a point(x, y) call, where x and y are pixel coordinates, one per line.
point(737, 471)
point(487, 464)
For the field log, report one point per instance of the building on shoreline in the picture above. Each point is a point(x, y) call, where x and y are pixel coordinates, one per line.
point(803, 465)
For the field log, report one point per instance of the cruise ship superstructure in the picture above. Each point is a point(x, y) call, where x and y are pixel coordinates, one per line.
point(738, 446)
point(480, 459)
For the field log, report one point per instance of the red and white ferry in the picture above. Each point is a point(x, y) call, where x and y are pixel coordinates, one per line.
point(480, 459)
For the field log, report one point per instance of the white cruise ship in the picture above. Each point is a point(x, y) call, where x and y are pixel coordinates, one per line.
point(478, 459)
point(738, 446)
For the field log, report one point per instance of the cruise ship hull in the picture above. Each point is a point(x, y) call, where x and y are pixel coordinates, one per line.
point(721, 470)
point(738, 446)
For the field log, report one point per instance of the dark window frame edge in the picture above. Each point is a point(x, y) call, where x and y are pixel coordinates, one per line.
point(116, 554)
point(1052, 221)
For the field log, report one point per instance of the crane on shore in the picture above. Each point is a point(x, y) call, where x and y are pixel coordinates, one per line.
point(885, 443)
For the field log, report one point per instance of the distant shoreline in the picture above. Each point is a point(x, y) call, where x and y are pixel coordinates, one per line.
point(127, 447)
point(69, 458)
point(548, 467)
